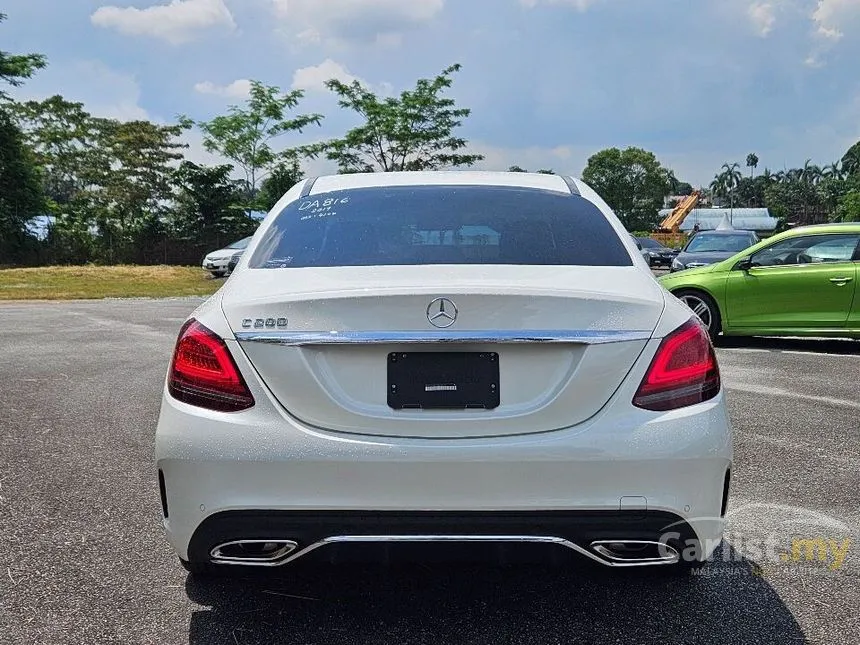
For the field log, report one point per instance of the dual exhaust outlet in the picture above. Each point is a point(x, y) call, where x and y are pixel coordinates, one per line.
point(612, 553)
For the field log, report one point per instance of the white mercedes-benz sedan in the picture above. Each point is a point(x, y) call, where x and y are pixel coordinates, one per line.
point(451, 357)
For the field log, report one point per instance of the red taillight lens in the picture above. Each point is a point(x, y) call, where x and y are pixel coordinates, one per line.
point(684, 371)
point(203, 372)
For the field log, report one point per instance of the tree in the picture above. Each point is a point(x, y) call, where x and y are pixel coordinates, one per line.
point(540, 172)
point(796, 201)
point(131, 191)
point(140, 176)
point(64, 138)
point(411, 132)
point(810, 173)
point(848, 209)
point(632, 182)
point(682, 188)
point(283, 177)
point(851, 160)
point(66, 142)
point(14, 68)
point(21, 197)
point(246, 134)
point(716, 187)
point(208, 202)
point(829, 193)
point(752, 162)
point(727, 182)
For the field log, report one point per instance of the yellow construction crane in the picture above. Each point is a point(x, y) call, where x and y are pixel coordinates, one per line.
point(669, 232)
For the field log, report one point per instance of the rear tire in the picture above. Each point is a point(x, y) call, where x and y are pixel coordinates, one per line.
point(704, 307)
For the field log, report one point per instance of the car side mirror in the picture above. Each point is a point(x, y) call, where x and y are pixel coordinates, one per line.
point(744, 265)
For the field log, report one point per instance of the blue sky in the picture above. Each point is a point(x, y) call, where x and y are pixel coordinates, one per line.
point(550, 82)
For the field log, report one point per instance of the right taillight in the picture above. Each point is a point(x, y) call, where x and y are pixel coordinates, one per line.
point(203, 372)
point(683, 372)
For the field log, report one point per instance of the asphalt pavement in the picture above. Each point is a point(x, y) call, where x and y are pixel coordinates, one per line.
point(83, 558)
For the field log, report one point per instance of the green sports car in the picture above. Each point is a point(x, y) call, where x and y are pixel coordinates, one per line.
point(802, 282)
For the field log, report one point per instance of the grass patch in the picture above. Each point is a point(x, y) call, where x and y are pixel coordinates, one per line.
point(81, 282)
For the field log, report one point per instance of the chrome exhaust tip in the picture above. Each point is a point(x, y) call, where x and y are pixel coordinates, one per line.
point(260, 553)
point(632, 553)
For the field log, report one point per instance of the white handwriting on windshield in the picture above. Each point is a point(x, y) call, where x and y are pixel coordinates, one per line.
point(321, 207)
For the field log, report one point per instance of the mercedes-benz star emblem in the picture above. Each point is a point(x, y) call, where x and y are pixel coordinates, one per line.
point(442, 312)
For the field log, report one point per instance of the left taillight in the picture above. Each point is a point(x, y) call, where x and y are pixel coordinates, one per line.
point(203, 372)
point(683, 372)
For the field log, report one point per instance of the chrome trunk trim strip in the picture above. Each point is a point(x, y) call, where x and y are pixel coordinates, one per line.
point(569, 336)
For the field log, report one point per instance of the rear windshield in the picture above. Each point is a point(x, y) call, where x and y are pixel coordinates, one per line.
point(241, 244)
point(707, 243)
point(407, 225)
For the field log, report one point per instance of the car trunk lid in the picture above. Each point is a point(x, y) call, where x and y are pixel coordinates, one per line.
point(322, 340)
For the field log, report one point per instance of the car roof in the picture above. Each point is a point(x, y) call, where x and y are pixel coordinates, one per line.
point(540, 181)
point(732, 232)
point(833, 227)
point(811, 229)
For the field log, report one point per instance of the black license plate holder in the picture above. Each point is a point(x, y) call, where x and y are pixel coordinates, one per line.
point(443, 380)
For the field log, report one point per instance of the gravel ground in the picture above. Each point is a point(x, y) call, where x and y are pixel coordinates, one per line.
point(83, 559)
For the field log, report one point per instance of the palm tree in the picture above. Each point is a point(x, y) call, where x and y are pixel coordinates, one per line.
point(832, 171)
point(673, 182)
point(752, 162)
point(717, 187)
point(810, 173)
point(731, 177)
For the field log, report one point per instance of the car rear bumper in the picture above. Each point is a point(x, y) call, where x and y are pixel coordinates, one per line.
point(659, 259)
point(579, 533)
point(229, 470)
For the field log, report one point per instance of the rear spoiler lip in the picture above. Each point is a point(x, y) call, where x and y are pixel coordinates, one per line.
point(496, 336)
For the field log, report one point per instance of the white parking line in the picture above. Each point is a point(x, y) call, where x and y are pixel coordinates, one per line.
point(776, 391)
point(802, 353)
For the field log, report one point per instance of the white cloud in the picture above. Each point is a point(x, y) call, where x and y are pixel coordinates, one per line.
point(579, 5)
point(197, 153)
point(831, 20)
point(349, 21)
point(238, 89)
point(104, 92)
point(177, 22)
point(832, 17)
point(313, 78)
point(763, 16)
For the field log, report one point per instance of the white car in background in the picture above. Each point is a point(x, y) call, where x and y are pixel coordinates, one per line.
point(442, 357)
point(217, 262)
